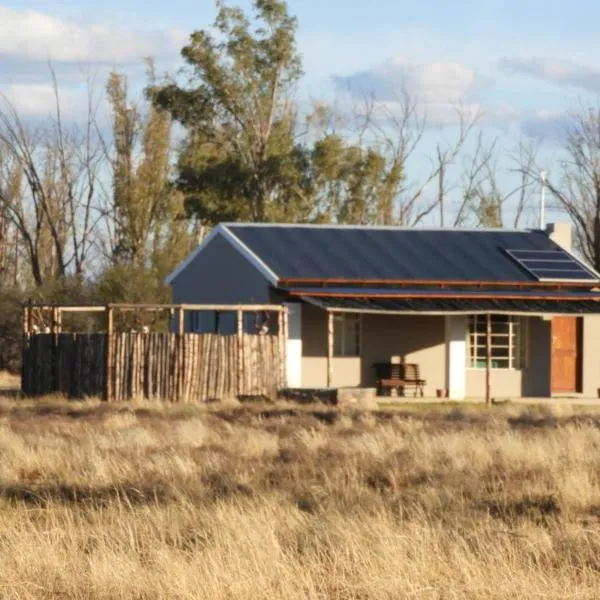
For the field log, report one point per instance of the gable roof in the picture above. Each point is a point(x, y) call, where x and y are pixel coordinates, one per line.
point(294, 254)
point(391, 253)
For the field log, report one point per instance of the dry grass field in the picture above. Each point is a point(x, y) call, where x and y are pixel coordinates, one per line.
point(146, 501)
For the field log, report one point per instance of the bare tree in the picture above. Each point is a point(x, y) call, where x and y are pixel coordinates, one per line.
point(393, 135)
point(485, 200)
point(576, 184)
point(48, 178)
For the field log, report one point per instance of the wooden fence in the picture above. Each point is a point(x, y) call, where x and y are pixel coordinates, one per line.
point(186, 367)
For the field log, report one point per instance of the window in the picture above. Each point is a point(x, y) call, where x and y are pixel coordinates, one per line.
point(508, 342)
point(346, 335)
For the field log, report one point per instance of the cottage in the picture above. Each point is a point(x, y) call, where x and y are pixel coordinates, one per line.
point(514, 311)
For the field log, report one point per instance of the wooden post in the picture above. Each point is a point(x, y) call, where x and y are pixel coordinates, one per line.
point(285, 319)
point(54, 322)
point(29, 317)
point(329, 348)
point(181, 320)
point(281, 348)
point(109, 358)
point(26, 311)
point(180, 354)
point(488, 364)
point(240, 352)
point(54, 333)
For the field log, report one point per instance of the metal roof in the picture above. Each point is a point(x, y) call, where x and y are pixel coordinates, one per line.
point(456, 306)
point(446, 293)
point(369, 253)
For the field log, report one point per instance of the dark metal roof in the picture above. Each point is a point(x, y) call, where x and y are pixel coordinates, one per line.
point(369, 253)
point(361, 293)
point(449, 305)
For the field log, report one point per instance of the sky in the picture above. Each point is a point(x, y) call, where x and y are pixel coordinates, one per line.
point(523, 65)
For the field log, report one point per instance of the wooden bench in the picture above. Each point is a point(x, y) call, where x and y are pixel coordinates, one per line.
point(399, 377)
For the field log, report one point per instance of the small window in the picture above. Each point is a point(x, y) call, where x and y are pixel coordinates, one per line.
point(195, 321)
point(508, 342)
point(346, 335)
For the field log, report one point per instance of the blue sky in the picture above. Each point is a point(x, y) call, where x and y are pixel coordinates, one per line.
point(522, 64)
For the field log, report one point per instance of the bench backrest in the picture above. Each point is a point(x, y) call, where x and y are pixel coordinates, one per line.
point(410, 372)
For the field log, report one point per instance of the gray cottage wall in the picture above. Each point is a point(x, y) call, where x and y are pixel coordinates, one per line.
point(220, 274)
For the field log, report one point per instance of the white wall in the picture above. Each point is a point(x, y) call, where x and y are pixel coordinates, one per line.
point(456, 356)
point(294, 346)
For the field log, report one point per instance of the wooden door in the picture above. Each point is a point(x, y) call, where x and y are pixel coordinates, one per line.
point(566, 336)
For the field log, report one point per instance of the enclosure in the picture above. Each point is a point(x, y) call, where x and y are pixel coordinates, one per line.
point(124, 351)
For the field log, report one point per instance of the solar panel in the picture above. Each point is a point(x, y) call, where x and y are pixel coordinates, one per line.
point(552, 265)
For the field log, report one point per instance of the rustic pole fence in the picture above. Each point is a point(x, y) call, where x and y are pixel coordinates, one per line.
point(177, 365)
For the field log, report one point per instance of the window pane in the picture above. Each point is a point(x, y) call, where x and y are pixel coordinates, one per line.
point(508, 341)
point(500, 352)
point(346, 331)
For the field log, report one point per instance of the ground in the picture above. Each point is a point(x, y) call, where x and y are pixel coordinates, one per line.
point(162, 501)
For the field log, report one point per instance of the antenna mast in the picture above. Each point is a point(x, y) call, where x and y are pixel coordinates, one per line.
point(543, 200)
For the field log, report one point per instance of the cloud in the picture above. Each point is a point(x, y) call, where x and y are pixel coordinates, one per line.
point(34, 36)
point(546, 125)
point(430, 82)
point(555, 71)
point(38, 100)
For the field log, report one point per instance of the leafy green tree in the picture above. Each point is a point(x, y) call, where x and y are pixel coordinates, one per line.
point(149, 234)
point(240, 119)
point(146, 211)
point(353, 184)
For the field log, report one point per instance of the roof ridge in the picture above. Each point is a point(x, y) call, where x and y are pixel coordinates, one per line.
point(382, 227)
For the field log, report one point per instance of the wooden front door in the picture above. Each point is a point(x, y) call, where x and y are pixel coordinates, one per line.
point(566, 336)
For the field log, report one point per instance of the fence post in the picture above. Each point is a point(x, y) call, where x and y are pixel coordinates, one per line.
point(54, 332)
point(240, 352)
point(108, 361)
point(180, 363)
point(30, 316)
point(25, 352)
point(329, 348)
point(488, 362)
point(180, 320)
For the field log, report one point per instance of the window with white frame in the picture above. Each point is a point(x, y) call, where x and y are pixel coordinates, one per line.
point(346, 335)
point(508, 342)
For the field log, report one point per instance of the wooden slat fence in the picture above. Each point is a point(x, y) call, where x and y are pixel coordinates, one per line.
point(183, 368)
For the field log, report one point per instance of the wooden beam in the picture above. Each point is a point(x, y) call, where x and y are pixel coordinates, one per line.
point(109, 358)
point(235, 307)
point(488, 364)
point(285, 316)
point(181, 320)
point(435, 282)
point(54, 322)
point(159, 307)
point(435, 295)
point(76, 309)
point(29, 318)
point(240, 352)
point(330, 334)
point(282, 342)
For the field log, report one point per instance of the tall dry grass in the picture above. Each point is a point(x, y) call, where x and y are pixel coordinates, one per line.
point(147, 501)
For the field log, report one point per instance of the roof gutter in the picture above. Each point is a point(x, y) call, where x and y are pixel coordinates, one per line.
point(434, 296)
point(299, 281)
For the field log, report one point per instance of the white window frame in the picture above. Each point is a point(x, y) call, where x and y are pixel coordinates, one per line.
point(515, 340)
point(346, 349)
